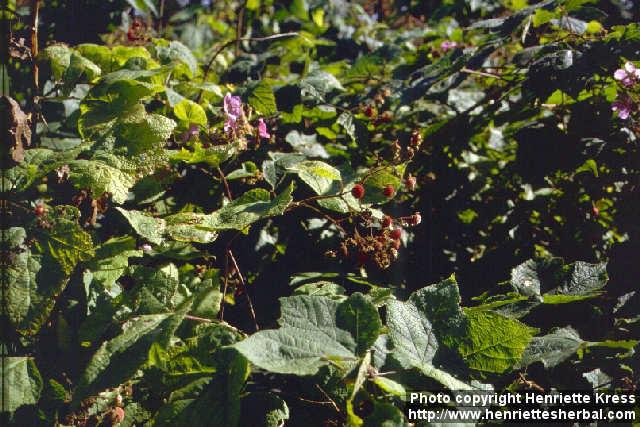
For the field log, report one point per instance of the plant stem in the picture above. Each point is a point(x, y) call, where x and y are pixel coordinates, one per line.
point(35, 18)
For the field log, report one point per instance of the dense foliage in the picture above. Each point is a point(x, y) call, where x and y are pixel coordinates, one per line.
point(256, 212)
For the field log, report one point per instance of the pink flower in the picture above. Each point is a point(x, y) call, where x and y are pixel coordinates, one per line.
point(448, 45)
point(262, 129)
point(233, 110)
point(629, 75)
point(624, 106)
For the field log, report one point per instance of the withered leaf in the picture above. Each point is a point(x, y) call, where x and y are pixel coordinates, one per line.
point(19, 128)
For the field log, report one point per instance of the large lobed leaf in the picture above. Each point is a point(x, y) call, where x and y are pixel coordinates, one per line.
point(314, 331)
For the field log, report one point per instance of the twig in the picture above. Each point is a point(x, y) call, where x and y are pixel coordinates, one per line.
point(482, 73)
point(327, 217)
point(198, 319)
point(226, 285)
point(239, 25)
point(336, 407)
point(160, 17)
point(226, 184)
point(35, 18)
point(246, 292)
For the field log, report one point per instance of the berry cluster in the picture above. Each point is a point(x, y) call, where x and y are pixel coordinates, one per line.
point(379, 247)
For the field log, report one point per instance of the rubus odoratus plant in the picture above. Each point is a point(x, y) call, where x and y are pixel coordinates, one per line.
point(248, 213)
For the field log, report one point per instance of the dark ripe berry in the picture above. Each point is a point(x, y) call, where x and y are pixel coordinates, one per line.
point(415, 219)
point(396, 233)
point(362, 258)
point(410, 182)
point(131, 35)
point(369, 112)
point(387, 221)
point(389, 191)
point(39, 209)
point(357, 191)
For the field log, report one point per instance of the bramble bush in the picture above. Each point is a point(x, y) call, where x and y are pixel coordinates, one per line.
point(250, 213)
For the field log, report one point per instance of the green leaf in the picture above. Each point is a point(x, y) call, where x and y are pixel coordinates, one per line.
point(583, 279)
point(360, 317)
point(555, 283)
point(213, 155)
point(144, 6)
point(219, 402)
point(263, 100)
point(414, 340)
point(148, 227)
point(182, 228)
point(21, 383)
point(347, 121)
point(118, 359)
point(317, 84)
point(377, 179)
point(190, 112)
point(532, 276)
point(59, 57)
point(80, 66)
point(176, 52)
point(36, 277)
point(140, 134)
point(493, 343)
point(306, 144)
point(101, 178)
point(390, 386)
point(321, 177)
point(415, 343)
point(553, 348)
point(264, 409)
point(252, 206)
point(249, 169)
point(112, 259)
point(308, 338)
point(110, 59)
point(385, 414)
point(440, 303)
point(321, 288)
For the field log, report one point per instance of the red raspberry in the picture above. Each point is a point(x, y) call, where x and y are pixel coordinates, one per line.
point(415, 219)
point(389, 191)
point(118, 413)
point(396, 233)
point(396, 244)
point(362, 258)
point(595, 211)
point(131, 35)
point(387, 221)
point(410, 182)
point(357, 191)
point(39, 209)
point(369, 111)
